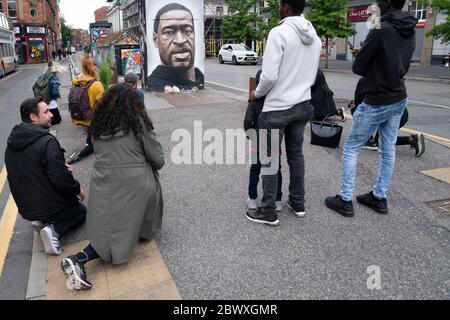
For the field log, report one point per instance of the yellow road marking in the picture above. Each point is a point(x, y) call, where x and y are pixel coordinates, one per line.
point(3, 175)
point(428, 135)
point(7, 223)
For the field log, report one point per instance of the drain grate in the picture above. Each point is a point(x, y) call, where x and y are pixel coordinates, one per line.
point(441, 206)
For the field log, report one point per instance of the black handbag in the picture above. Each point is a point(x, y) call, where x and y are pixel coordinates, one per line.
point(326, 133)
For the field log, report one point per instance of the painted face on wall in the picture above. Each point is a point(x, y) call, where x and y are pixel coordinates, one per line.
point(175, 39)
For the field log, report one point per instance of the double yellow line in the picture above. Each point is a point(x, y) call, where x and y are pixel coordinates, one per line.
point(7, 222)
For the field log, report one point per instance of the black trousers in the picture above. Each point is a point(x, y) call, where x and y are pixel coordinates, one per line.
point(291, 125)
point(56, 116)
point(68, 219)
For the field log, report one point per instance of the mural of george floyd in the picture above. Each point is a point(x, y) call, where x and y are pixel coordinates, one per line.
point(173, 52)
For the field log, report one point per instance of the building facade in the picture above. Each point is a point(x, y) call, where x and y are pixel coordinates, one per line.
point(115, 17)
point(80, 38)
point(131, 20)
point(101, 14)
point(37, 28)
point(428, 50)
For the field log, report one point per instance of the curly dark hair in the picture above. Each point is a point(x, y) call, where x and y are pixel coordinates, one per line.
point(119, 110)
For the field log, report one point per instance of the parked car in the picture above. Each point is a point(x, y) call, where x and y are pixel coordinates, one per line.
point(237, 53)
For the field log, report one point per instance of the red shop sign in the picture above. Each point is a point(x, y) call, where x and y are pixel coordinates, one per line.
point(420, 24)
point(358, 14)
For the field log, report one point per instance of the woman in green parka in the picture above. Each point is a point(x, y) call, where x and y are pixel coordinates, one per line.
point(125, 198)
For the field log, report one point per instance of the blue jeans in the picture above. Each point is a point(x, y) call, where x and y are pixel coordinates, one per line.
point(366, 120)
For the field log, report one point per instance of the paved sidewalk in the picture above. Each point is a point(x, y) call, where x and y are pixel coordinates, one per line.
point(432, 73)
point(211, 251)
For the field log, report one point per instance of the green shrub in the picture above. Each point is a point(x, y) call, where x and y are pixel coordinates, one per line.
point(106, 72)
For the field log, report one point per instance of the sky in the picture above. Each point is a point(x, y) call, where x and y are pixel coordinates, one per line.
point(80, 13)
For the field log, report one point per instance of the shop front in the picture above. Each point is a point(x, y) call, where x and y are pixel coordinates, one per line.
point(358, 16)
point(31, 44)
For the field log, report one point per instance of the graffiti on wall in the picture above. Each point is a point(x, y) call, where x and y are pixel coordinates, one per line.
point(131, 61)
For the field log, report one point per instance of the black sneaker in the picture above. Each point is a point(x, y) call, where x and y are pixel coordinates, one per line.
point(336, 203)
point(258, 217)
point(341, 113)
point(369, 200)
point(74, 157)
point(371, 144)
point(299, 212)
point(418, 144)
point(75, 274)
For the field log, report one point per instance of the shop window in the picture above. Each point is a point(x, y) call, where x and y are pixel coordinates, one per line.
point(418, 10)
point(36, 50)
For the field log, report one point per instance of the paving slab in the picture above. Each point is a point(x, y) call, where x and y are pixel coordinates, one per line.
point(145, 276)
point(441, 174)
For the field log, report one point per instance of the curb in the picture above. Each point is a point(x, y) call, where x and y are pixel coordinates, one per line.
point(413, 78)
point(37, 279)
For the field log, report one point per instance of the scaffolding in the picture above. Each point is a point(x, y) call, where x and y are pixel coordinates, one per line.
point(214, 37)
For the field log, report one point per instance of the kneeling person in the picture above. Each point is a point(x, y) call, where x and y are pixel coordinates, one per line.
point(42, 185)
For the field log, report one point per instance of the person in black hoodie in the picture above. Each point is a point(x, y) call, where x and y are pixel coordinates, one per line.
point(41, 184)
point(323, 101)
point(384, 60)
point(252, 114)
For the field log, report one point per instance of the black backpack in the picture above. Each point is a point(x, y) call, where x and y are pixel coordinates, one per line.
point(79, 105)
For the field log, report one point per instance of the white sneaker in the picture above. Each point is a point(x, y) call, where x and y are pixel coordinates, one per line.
point(279, 206)
point(51, 243)
point(252, 204)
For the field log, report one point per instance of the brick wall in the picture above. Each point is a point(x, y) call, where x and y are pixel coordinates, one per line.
point(101, 14)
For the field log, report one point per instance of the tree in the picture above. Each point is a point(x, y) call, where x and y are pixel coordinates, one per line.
point(241, 26)
point(329, 18)
point(441, 31)
point(273, 21)
point(66, 32)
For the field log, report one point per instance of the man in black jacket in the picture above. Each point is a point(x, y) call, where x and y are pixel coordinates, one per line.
point(383, 60)
point(42, 185)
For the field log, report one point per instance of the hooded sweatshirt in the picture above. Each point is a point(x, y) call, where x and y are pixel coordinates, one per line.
point(40, 183)
point(291, 61)
point(385, 58)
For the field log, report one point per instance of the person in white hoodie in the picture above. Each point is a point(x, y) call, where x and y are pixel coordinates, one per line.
point(290, 65)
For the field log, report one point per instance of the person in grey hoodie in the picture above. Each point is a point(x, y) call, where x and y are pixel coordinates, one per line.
point(383, 60)
point(289, 70)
